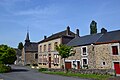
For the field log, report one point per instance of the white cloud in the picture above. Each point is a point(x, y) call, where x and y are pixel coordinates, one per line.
point(50, 10)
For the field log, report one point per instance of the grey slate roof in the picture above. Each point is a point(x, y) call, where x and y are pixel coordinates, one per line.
point(110, 37)
point(31, 47)
point(95, 38)
point(58, 35)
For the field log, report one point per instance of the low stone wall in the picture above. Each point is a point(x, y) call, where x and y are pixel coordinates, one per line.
point(88, 71)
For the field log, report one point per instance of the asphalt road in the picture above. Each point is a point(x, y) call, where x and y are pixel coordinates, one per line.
point(26, 73)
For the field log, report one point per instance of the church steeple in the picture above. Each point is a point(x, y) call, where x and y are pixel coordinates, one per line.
point(27, 38)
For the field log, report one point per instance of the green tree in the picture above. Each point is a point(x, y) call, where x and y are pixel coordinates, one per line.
point(7, 55)
point(64, 51)
point(93, 27)
point(20, 46)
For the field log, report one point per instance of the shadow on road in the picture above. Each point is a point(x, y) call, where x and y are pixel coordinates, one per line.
point(19, 70)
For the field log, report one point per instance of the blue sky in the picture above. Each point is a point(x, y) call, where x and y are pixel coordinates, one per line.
point(46, 17)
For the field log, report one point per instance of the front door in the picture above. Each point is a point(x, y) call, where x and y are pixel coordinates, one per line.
point(117, 67)
point(68, 65)
point(78, 64)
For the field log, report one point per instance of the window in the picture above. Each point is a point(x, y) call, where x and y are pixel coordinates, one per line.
point(40, 48)
point(44, 58)
point(36, 56)
point(55, 44)
point(115, 50)
point(56, 59)
point(103, 63)
point(40, 58)
point(44, 48)
point(84, 61)
point(84, 51)
point(49, 47)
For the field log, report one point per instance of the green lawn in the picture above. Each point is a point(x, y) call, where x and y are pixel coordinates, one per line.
point(90, 76)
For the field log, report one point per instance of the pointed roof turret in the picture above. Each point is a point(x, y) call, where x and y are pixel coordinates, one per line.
point(27, 37)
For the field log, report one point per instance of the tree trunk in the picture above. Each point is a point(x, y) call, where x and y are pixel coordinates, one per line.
point(64, 63)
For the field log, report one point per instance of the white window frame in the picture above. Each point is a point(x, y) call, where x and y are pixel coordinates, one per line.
point(105, 63)
point(82, 51)
point(118, 45)
point(82, 61)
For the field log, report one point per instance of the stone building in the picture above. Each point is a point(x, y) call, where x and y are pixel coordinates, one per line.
point(96, 51)
point(29, 52)
point(47, 55)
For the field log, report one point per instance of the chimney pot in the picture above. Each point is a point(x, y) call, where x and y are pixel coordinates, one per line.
point(103, 30)
point(68, 30)
point(45, 37)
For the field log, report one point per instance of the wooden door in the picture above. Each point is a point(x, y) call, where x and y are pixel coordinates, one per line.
point(117, 67)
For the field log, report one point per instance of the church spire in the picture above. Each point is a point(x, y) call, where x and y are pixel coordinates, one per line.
point(27, 37)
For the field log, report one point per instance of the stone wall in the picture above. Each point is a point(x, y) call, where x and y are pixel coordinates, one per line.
point(30, 58)
point(88, 71)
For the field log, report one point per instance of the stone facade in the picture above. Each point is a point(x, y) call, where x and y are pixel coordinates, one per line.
point(99, 56)
point(29, 52)
point(104, 54)
point(46, 53)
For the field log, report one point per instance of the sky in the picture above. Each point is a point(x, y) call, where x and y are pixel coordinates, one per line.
point(47, 17)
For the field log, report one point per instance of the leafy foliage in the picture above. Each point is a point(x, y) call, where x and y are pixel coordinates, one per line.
point(4, 68)
point(7, 55)
point(20, 46)
point(93, 27)
point(64, 50)
point(43, 69)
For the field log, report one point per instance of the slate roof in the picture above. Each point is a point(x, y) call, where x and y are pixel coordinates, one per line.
point(113, 36)
point(98, 38)
point(31, 47)
point(58, 35)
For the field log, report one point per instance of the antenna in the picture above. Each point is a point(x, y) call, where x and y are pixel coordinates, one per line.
point(28, 29)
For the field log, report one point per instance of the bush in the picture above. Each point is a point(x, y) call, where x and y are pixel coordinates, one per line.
point(4, 68)
point(35, 64)
point(43, 69)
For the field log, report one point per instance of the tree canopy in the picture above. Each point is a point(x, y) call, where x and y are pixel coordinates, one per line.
point(93, 27)
point(7, 55)
point(64, 51)
point(20, 46)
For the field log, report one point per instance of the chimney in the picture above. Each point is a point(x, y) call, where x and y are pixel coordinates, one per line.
point(77, 33)
point(45, 37)
point(103, 30)
point(68, 30)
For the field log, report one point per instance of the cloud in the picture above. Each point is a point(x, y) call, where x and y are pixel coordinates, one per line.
point(49, 10)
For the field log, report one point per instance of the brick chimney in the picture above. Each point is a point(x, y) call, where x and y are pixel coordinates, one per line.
point(103, 30)
point(77, 33)
point(68, 30)
point(45, 37)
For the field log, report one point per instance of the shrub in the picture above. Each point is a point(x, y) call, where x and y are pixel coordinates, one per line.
point(35, 64)
point(43, 69)
point(4, 68)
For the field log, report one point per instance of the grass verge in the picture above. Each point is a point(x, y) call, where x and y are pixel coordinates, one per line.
point(89, 76)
